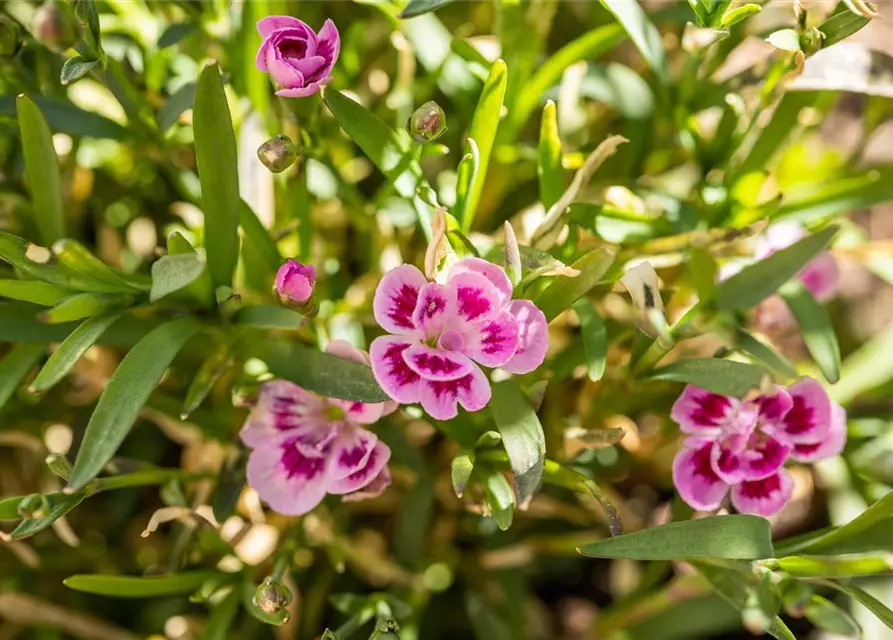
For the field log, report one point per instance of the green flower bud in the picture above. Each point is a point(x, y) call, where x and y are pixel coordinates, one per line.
point(56, 27)
point(271, 596)
point(277, 154)
point(10, 36)
point(427, 123)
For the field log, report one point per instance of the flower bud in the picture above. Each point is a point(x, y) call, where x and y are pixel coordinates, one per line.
point(56, 27)
point(294, 282)
point(10, 36)
point(59, 465)
point(31, 506)
point(278, 154)
point(272, 596)
point(427, 123)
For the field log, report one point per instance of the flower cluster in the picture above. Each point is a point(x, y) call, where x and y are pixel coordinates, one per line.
point(442, 332)
point(306, 446)
point(743, 445)
point(295, 56)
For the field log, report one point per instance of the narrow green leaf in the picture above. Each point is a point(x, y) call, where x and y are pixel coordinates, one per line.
point(386, 148)
point(758, 281)
point(76, 257)
point(815, 327)
point(215, 154)
point(734, 537)
point(418, 7)
point(764, 354)
point(320, 372)
point(595, 338)
point(258, 237)
point(220, 622)
point(460, 471)
point(565, 290)
point(76, 68)
point(498, 494)
point(841, 26)
point(64, 117)
point(173, 34)
point(71, 350)
point(735, 586)
point(41, 293)
point(549, 168)
point(483, 131)
point(725, 377)
point(643, 33)
point(703, 271)
point(270, 317)
point(42, 171)
point(172, 273)
point(738, 14)
point(865, 369)
point(15, 365)
point(701, 12)
point(878, 608)
point(590, 45)
point(819, 567)
point(176, 105)
point(826, 615)
point(84, 305)
point(209, 373)
point(522, 437)
point(126, 393)
point(58, 503)
point(139, 587)
point(466, 172)
point(867, 532)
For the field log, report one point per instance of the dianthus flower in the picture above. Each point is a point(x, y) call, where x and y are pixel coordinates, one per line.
point(306, 446)
point(442, 332)
point(742, 445)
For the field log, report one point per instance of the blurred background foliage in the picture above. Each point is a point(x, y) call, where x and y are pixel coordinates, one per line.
point(725, 131)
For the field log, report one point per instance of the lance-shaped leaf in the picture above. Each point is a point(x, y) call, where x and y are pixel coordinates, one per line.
point(71, 350)
point(595, 338)
point(815, 327)
point(126, 393)
point(460, 471)
point(522, 436)
point(77, 258)
point(42, 293)
point(15, 365)
point(42, 171)
point(549, 167)
point(417, 7)
point(643, 33)
point(564, 290)
point(725, 377)
point(878, 608)
point(84, 305)
point(139, 586)
point(215, 153)
point(208, 374)
point(172, 273)
point(498, 494)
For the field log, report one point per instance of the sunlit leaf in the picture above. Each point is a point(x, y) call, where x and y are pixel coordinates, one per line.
point(549, 168)
point(815, 327)
point(172, 273)
point(643, 33)
point(139, 587)
point(522, 437)
point(595, 338)
point(564, 290)
point(71, 350)
point(725, 377)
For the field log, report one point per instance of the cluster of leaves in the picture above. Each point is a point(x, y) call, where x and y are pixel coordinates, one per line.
point(146, 353)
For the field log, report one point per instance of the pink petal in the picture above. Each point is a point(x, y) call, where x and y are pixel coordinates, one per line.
point(365, 474)
point(260, 60)
point(285, 75)
point(727, 459)
point(809, 419)
point(476, 299)
point(533, 337)
point(288, 481)
point(391, 371)
point(829, 446)
point(696, 481)
point(375, 488)
point(281, 408)
point(435, 307)
point(350, 452)
point(266, 26)
point(493, 343)
point(437, 364)
point(702, 413)
point(764, 456)
point(308, 67)
point(821, 277)
point(494, 273)
point(329, 45)
point(300, 92)
point(396, 297)
point(763, 497)
point(346, 351)
point(773, 407)
point(360, 412)
point(439, 399)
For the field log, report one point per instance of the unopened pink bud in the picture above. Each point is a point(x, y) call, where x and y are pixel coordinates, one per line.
point(294, 282)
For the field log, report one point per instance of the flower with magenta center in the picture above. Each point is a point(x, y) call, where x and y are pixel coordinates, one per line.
point(741, 446)
point(296, 57)
point(442, 332)
point(307, 446)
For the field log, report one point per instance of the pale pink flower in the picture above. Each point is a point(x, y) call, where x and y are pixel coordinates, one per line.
point(442, 332)
point(742, 446)
point(307, 446)
point(297, 58)
point(295, 281)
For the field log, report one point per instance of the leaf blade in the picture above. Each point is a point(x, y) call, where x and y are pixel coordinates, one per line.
point(522, 437)
point(595, 338)
point(815, 327)
point(139, 587)
point(643, 33)
point(42, 170)
point(724, 377)
point(564, 290)
point(71, 350)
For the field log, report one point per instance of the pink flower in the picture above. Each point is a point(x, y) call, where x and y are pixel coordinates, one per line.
point(442, 332)
point(306, 446)
point(298, 59)
point(742, 446)
point(821, 276)
point(294, 282)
